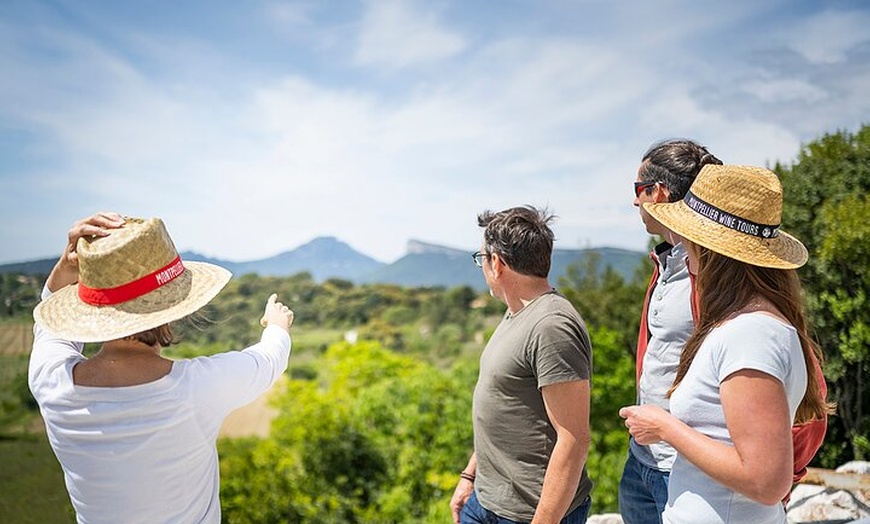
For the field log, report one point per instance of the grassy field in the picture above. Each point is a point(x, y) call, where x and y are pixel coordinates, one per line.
point(31, 483)
point(15, 338)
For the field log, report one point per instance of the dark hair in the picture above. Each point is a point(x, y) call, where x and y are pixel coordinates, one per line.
point(521, 236)
point(675, 163)
point(161, 335)
point(725, 286)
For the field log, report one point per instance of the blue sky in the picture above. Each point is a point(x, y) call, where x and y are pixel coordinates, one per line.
point(253, 127)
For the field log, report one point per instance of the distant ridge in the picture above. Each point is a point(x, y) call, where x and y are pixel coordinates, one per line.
point(423, 265)
point(429, 265)
point(323, 257)
point(32, 267)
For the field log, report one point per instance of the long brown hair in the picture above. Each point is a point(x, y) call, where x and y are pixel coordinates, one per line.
point(725, 286)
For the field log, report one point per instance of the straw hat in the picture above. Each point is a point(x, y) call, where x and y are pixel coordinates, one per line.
point(734, 211)
point(130, 281)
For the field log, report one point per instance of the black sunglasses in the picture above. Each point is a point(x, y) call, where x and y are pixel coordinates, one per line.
point(642, 186)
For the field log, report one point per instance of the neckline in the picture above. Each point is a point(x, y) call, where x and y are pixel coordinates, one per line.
point(509, 315)
point(133, 387)
point(764, 314)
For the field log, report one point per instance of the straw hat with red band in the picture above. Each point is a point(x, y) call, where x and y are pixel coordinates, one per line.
point(130, 281)
point(734, 211)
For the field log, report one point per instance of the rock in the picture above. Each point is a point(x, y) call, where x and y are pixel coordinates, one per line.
point(816, 504)
point(605, 518)
point(856, 466)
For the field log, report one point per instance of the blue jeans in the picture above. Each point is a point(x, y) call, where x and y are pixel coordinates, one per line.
point(643, 493)
point(474, 513)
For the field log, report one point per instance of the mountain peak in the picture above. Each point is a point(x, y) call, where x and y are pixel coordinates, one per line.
point(326, 243)
point(325, 240)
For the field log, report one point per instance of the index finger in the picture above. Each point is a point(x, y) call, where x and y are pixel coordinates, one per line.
point(272, 299)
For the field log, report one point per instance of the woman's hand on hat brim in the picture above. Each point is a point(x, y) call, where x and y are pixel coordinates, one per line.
point(66, 271)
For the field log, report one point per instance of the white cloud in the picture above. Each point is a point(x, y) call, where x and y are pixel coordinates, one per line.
point(828, 36)
point(784, 90)
point(398, 34)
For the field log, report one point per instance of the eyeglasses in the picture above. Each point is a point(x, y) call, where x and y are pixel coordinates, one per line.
point(642, 186)
point(478, 257)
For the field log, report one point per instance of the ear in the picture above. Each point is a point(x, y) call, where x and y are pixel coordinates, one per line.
point(661, 193)
point(497, 264)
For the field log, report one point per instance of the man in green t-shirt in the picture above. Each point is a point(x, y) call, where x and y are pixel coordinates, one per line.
point(531, 402)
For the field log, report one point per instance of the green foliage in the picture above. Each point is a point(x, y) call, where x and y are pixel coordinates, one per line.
point(19, 294)
point(612, 388)
point(17, 406)
point(611, 309)
point(605, 300)
point(376, 438)
point(825, 205)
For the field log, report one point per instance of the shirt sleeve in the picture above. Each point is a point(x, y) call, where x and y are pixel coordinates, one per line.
point(49, 352)
point(230, 380)
point(559, 351)
point(753, 343)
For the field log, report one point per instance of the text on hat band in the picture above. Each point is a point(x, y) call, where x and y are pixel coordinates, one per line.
point(728, 220)
point(134, 289)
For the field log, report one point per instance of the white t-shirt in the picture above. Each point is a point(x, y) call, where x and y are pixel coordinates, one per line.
point(750, 341)
point(147, 453)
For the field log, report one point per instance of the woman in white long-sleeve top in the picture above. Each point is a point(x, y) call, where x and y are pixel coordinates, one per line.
point(134, 432)
point(747, 373)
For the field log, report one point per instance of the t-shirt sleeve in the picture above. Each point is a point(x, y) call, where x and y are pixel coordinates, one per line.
point(559, 351)
point(230, 380)
point(48, 354)
point(756, 344)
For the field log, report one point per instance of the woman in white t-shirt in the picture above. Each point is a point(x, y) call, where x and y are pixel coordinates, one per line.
point(134, 432)
point(746, 374)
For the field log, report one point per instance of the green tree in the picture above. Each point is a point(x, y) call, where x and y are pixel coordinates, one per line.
point(19, 294)
point(825, 205)
point(612, 388)
point(605, 300)
point(377, 438)
point(611, 308)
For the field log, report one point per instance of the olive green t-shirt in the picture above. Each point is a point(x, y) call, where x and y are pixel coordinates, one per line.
point(544, 343)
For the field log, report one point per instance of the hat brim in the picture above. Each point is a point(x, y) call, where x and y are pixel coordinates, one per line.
point(66, 316)
point(781, 252)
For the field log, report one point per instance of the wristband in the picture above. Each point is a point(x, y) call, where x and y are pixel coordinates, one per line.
point(467, 476)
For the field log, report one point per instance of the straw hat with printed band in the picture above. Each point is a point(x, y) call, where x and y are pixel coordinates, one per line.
point(735, 211)
point(130, 281)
